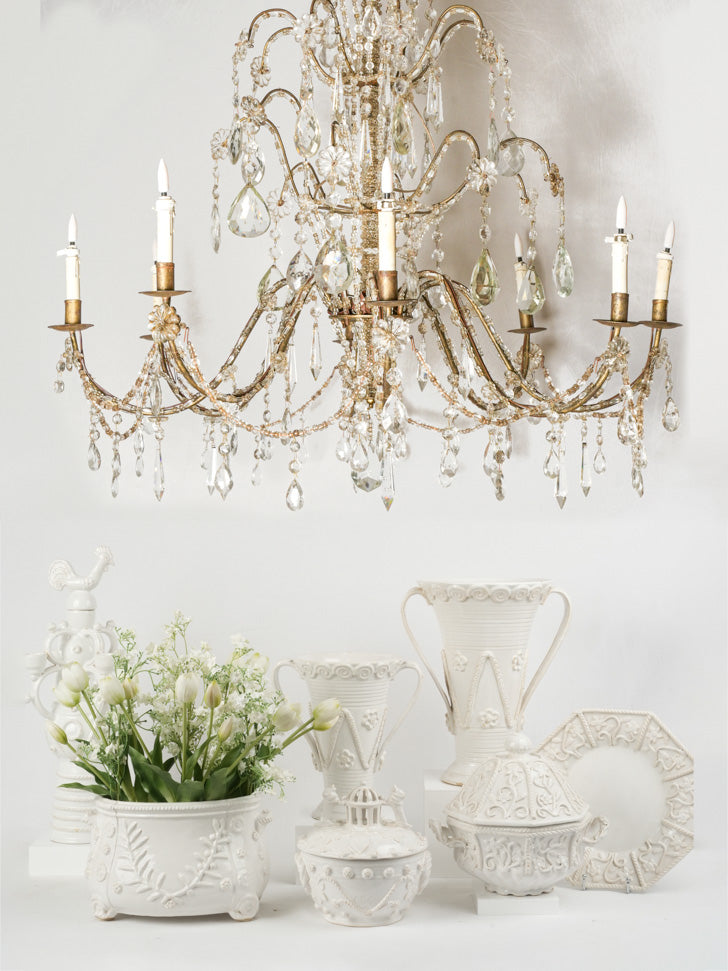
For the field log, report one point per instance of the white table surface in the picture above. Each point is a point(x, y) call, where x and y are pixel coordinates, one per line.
point(680, 924)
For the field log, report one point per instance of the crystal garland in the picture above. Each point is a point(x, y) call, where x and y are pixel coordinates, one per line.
point(379, 67)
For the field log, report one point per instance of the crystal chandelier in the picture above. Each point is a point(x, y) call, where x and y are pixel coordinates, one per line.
point(355, 153)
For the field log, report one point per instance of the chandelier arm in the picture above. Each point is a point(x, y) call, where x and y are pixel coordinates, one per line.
point(111, 400)
point(339, 31)
point(281, 32)
point(458, 135)
point(319, 69)
point(256, 22)
point(532, 391)
point(428, 133)
point(423, 61)
point(552, 174)
point(582, 403)
point(281, 93)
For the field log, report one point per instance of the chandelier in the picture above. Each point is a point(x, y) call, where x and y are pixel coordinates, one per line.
point(356, 153)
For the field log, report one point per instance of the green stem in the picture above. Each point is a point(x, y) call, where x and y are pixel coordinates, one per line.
point(299, 733)
point(184, 742)
point(207, 743)
point(94, 728)
point(128, 713)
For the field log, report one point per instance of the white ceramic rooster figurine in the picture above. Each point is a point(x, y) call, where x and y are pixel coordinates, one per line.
point(61, 574)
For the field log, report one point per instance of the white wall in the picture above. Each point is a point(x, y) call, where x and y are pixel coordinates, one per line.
point(618, 96)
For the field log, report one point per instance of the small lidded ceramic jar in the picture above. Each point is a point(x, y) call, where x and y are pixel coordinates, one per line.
point(367, 871)
point(517, 824)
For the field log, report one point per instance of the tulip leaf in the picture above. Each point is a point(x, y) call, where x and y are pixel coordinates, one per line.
point(218, 784)
point(191, 791)
point(98, 790)
point(159, 784)
point(156, 754)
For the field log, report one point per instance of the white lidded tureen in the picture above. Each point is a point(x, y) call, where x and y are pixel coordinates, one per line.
point(517, 824)
point(368, 870)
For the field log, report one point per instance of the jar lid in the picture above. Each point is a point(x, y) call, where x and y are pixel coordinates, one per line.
point(366, 835)
point(517, 788)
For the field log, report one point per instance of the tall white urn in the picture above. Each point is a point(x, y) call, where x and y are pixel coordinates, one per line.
point(485, 629)
point(352, 751)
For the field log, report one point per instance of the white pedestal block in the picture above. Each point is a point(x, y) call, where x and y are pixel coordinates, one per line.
point(495, 904)
point(49, 859)
point(437, 796)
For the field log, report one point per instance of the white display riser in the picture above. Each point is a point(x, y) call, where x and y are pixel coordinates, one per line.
point(438, 795)
point(49, 859)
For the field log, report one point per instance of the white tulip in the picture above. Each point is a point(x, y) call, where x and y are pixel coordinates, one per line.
point(187, 687)
point(56, 733)
point(65, 695)
point(112, 690)
point(75, 677)
point(213, 695)
point(287, 717)
point(326, 714)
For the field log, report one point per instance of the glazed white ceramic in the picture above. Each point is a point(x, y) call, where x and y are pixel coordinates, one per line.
point(635, 773)
point(351, 752)
point(178, 859)
point(367, 871)
point(485, 628)
point(77, 638)
point(517, 824)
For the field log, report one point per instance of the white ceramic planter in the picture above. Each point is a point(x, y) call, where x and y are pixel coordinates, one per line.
point(485, 628)
point(178, 859)
point(352, 751)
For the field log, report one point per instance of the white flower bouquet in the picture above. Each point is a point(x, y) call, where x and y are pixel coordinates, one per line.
point(170, 724)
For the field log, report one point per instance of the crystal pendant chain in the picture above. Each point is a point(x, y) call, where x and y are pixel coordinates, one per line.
point(585, 480)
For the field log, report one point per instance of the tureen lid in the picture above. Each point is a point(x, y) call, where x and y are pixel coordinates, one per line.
point(365, 835)
point(517, 788)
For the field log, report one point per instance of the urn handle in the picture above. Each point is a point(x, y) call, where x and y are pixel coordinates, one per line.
point(415, 592)
point(544, 665)
point(406, 666)
point(309, 736)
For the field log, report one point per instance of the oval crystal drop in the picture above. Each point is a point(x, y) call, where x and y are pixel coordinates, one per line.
point(94, 457)
point(343, 449)
point(600, 462)
point(492, 152)
point(215, 227)
point(511, 157)
point(223, 480)
point(269, 279)
point(307, 133)
point(294, 496)
point(235, 142)
point(333, 270)
point(563, 271)
point(402, 128)
point(248, 216)
point(299, 270)
point(484, 280)
point(670, 416)
point(371, 23)
point(531, 296)
point(252, 163)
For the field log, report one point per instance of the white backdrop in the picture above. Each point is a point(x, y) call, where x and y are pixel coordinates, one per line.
point(617, 95)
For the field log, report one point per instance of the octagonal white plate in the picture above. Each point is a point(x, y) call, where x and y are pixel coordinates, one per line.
point(631, 770)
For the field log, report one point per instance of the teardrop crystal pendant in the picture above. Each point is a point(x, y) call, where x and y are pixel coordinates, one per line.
point(252, 163)
point(94, 457)
point(638, 482)
point(343, 449)
point(307, 133)
point(627, 427)
point(333, 270)
point(155, 395)
point(402, 135)
point(560, 490)
point(371, 23)
point(484, 284)
point(359, 458)
point(269, 279)
point(388, 480)
point(224, 480)
point(314, 363)
point(600, 462)
point(338, 101)
point(531, 296)
point(299, 270)
point(563, 271)
point(511, 157)
point(507, 441)
point(294, 496)
point(235, 142)
point(292, 366)
point(492, 152)
point(158, 473)
point(248, 216)
point(215, 227)
point(551, 465)
point(585, 480)
point(670, 416)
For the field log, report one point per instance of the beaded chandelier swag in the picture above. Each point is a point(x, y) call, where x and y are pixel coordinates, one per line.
point(356, 198)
